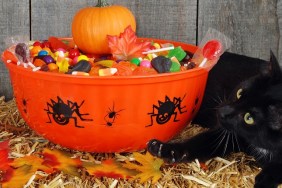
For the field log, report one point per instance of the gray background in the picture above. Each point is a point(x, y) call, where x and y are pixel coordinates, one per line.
point(253, 25)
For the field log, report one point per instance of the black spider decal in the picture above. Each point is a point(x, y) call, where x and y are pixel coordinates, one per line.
point(111, 116)
point(24, 102)
point(166, 109)
point(63, 112)
point(196, 103)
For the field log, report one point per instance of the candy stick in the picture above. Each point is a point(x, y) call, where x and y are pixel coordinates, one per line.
point(31, 65)
point(159, 50)
point(211, 51)
point(36, 69)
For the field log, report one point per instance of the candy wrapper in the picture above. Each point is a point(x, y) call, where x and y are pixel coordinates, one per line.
point(211, 48)
point(18, 46)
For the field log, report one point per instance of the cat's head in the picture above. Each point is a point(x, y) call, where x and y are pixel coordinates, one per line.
point(254, 109)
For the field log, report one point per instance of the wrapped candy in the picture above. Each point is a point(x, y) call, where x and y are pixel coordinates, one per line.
point(211, 48)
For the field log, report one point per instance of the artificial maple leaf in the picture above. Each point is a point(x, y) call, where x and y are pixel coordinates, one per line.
point(4, 151)
point(149, 167)
point(126, 46)
point(6, 170)
point(35, 162)
point(19, 178)
point(109, 168)
point(59, 160)
point(22, 170)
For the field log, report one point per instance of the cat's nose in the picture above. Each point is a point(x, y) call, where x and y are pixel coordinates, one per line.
point(224, 111)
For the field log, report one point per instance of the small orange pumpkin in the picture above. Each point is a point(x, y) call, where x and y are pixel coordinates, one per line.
point(91, 25)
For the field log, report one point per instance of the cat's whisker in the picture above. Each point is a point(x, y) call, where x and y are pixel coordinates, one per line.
point(221, 133)
point(232, 140)
point(224, 96)
point(260, 153)
point(220, 142)
point(254, 152)
point(270, 156)
point(217, 99)
point(226, 143)
point(238, 145)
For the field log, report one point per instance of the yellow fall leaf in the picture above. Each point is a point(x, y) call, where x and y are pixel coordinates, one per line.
point(19, 177)
point(149, 167)
point(62, 161)
point(33, 161)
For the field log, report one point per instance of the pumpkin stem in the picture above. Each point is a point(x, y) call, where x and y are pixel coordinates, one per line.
point(102, 3)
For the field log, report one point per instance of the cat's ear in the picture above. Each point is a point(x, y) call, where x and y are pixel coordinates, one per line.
point(274, 67)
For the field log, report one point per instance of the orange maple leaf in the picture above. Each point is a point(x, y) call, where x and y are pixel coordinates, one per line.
point(19, 177)
point(109, 168)
point(126, 46)
point(23, 169)
point(148, 167)
point(59, 160)
point(35, 162)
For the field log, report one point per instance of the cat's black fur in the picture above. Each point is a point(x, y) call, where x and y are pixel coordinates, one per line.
point(242, 107)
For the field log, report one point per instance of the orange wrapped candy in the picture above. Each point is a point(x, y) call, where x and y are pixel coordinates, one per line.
point(124, 68)
point(140, 71)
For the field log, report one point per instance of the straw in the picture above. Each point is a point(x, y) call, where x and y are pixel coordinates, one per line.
point(236, 170)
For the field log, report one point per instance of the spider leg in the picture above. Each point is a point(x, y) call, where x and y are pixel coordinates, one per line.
point(75, 108)
point(154, 107)
point(181, 108)
point(48, 114)
point(175, 116)
point(178, 105)
point(75, 122)
point(48, 105)
point(152, 122)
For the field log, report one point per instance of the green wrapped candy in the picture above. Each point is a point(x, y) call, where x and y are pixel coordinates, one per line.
point(135, 61)
point(177, 52)
point(175, 67)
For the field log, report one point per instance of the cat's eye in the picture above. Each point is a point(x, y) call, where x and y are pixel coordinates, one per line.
point(249, 119)
point(239, 93)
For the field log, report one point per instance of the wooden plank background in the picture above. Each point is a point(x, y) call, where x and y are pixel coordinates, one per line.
point(253, 25)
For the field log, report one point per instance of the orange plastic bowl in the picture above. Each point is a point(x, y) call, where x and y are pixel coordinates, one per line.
point(108, 114)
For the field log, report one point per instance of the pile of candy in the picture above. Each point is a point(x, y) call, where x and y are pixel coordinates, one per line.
point(53, 55)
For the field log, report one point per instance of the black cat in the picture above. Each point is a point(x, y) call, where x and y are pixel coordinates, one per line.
point(248, 120)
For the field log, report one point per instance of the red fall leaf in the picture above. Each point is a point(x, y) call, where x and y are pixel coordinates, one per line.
point(5, 169)
point(126, 46)
point(59, 160)
point(22, 169)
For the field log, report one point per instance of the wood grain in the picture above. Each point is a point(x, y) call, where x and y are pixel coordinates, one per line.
point(53, 17)
point(14, 20)
point(279, 18)
point(166, 19)
point(252, 25)
point(174, 20)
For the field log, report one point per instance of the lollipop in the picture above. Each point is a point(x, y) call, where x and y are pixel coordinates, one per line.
point(22, 52)
point(211, 51)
